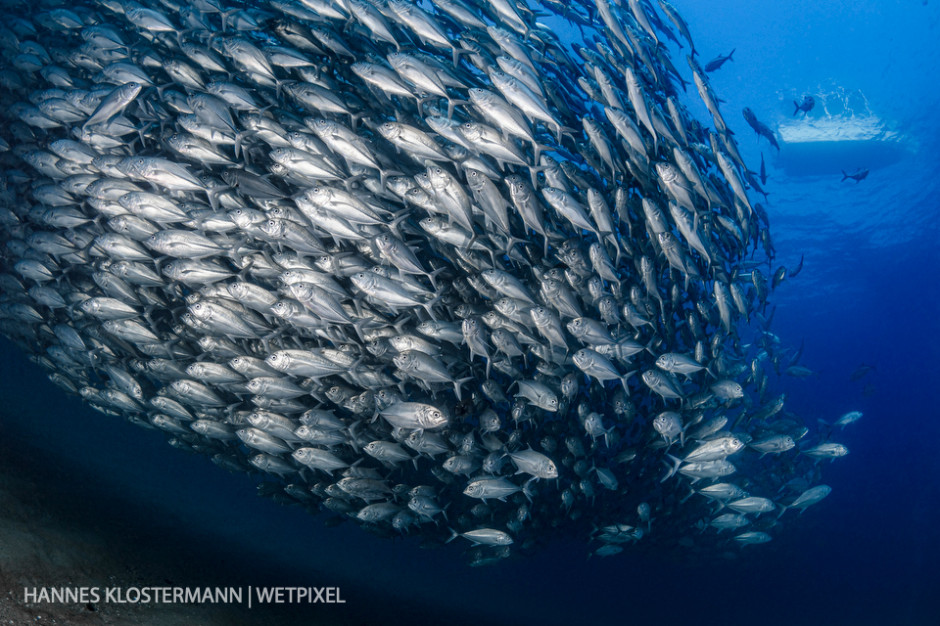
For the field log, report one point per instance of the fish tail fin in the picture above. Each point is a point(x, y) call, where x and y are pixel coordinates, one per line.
point(453, 535)
point(537, 151)
point(783, 509)
point(731, 54)
point(451, 103)
point(458, 385)
point(213, 196)
point(225, 15)
point(673, 465)
point(796, 107)
point(432, 275)
point(526, 491)
point(844, 176)
point(359, 326)
point(428, 306)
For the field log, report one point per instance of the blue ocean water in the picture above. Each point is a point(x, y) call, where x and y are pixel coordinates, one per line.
point(867, 294)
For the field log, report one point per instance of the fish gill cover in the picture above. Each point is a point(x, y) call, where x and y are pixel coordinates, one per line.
point(427, 267)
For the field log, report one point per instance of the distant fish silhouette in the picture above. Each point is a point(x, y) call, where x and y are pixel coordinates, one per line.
point(805, 105)
point(717, 62)
point(762, 130)
point(798, 268)
point(798, 371)
point(861, 372)
point(858, 176)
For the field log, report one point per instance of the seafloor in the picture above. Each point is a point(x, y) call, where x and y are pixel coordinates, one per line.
point(58, 528)
point(56, 531)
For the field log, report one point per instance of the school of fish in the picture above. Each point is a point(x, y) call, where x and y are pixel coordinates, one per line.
point(457, 269)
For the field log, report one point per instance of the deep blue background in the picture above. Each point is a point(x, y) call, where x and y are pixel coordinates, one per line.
point(867, 294)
